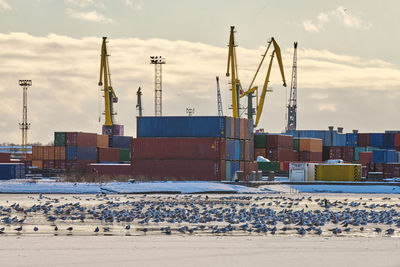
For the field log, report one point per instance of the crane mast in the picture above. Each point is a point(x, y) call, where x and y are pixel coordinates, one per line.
point(220, 113)
point(292, 106)
point(109, 94)
point(139, 102)
point(233, 72)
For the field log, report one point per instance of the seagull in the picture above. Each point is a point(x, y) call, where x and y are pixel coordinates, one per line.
point(56, 228)
point(96, 230)
point(18, 229)
point(128, 227)
point(35, 229)
point(70, 228)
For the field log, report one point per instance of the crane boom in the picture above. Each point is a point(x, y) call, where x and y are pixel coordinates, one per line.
point(220, 113)
point(109, 94)
point(232, 65)
point(292, 106)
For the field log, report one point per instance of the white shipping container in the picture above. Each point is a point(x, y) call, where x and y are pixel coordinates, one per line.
point(302, 172)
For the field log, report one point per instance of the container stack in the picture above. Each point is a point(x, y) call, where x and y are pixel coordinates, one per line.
point(309, 149)
point(12, 171)
point(191, 148)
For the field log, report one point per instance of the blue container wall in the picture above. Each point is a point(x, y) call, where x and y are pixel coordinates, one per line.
point(228, 170)
point(376, 139)
point(351, 139)
point(237, 149)
point(212, 126)
point(71, 153)
point(228, 128)
point(237, 166)
point(384, 156)
point(7, 171)
point(87, 153)
point(398, 157)
point(388, 140)
point(227, 149)
point(232, 169)
point(340, 140)
point(391, 156)
point(122, 142)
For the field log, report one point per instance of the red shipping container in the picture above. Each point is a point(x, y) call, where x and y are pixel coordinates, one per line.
point(310, 156)
point(397, 139)
point(59, 153)
point(285, 165)
point(110, 169)
point(392, 170)
point(48, 152)
point(260, 152)
point(280, 141)
point(77, 164)
point(37, 153)
point(247, 150)
point(183, 170)
point(379, 167)
point(241, 166)
point(348, 154)
point(246, 129)
point(242, 129)
point(295, 155)
point(280, 154)
point(363, 139)
point(364, 158)
point(108, 154)
point(60, 164)
point(332, 152)
point(4, 157)
point(48, 164)
point(28, 157)
point(178, 148)
point(81, 139)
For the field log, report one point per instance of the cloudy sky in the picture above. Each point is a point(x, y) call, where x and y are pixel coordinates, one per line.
point(348, 60)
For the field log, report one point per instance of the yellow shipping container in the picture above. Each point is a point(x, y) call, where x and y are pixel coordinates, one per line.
point(310, 144)
point(338, 172)
point(102, 140)
point(37, 163)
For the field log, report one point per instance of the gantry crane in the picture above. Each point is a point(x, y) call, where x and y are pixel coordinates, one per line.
point(292, 106)
point(237, 91)
point(109, 95)
point(219, 100)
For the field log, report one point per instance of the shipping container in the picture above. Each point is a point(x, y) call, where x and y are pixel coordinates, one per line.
point(260, 141)
point(80, 165)
point(340, 140)
point(81, 139)
point(351, 139)
point(37, 153)
point(111, 170)
point(251, 150)
point(181, 126)
point(102, 141)
point(182, 148)
point(260, 152)
point(232, 149)
point(302, 172)
point(59, 153)
point(296, 144)
point(389, 140)
point(237, 149)
point(377, 139)
point(60, 164)
point(392, 170)
point(364, 139)
point(4, 157)
point(247, 150)
point(269, 166)
point(246, 129)
point(338, 172)
point(152, 169)
point(280, 154)
point(237, 128)
point(242, 150)
point(228, 170)
point(37, 164)
point(121, 142)
point(309, 156)
point(241, 166)
point(331, 153)
point(228, 127)
point(108, 154)
point(60, 138)
point(124, 155)
point(397, 140)
point(81, 153)
point(12, 171)
point(280, 141)
point(348, 154)
point(384, 156)
point(310, 145)
point(242, 129)
point(48, 152)
point(48, 164)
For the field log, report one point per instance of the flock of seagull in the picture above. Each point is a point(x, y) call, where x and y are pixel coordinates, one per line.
point(201, 214)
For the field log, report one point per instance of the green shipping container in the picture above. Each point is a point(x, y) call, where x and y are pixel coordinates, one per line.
point(269, 166)
point(124, 155)
point(296, 144)
point(60, 138)
point(260, 141)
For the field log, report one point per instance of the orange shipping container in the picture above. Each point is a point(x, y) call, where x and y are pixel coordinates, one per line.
point(28, 157)
point(37, 153)
point(59, 153)
point(48, 153)
point(37, 163)
point(260, 152)
point(310, 145)
point(102, 140)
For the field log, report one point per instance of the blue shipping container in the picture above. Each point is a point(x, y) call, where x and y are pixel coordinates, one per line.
point(376, 139)
point(388, 140)
point(212, 126)
point(121, 142)
point(384, 156)
point(12, 171)
point(232, 149)
point(237, 128)
point(391, 156)
point(232, 169)
point(351, 139)
point(237, 149)
point(228, 129)
point(81, 153)
point(227, 149)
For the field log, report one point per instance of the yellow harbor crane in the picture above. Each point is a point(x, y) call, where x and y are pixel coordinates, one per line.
point(237, 91)
point(109, 95)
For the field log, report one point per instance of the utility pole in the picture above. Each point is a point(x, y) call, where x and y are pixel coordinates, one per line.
point(220, 113)
point(157, 61)
point(292, 106)
point(24, 126)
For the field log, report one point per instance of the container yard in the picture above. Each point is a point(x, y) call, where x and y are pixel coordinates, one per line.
point(154, 133)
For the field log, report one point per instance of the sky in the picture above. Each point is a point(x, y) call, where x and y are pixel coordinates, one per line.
point(348, 61)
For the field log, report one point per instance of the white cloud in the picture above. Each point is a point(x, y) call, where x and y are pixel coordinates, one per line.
point(341, 15)
point(4, 5)
point(85, 3)
point(88, 16)
point(134, 4)
point(332, 89)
